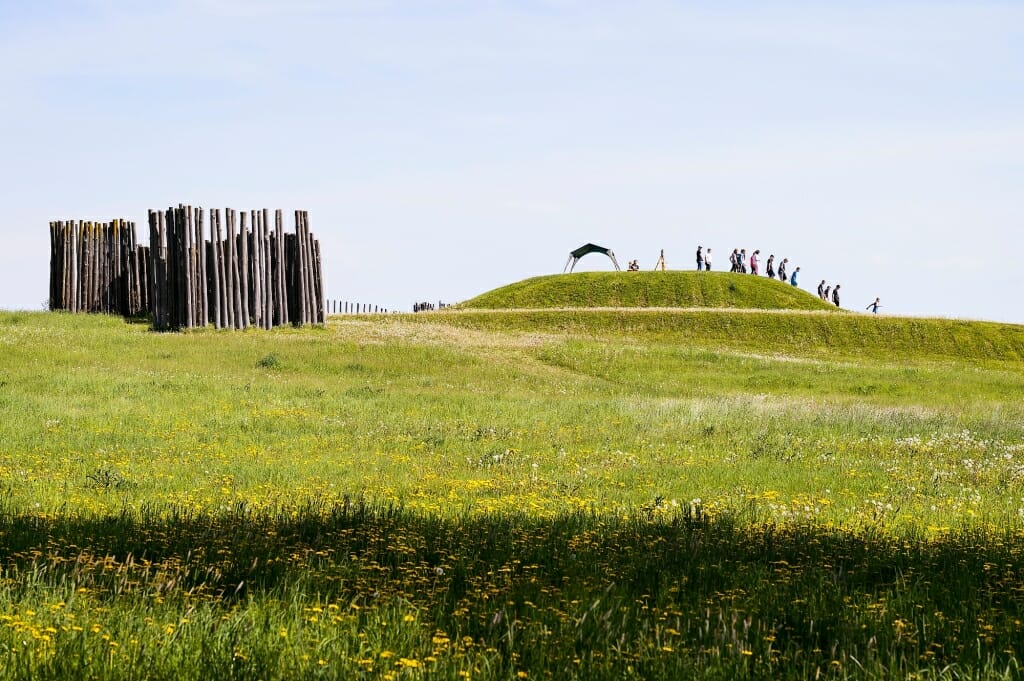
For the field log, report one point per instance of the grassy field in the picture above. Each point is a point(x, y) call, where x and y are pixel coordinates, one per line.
point(501, 495)
point(672, 288)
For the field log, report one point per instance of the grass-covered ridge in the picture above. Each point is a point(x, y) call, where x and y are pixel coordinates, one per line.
point(776, 331)
point(671, 288)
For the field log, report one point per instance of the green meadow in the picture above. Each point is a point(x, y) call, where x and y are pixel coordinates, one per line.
point(505, 494)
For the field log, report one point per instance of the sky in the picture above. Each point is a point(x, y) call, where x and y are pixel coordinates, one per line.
point(444, 148)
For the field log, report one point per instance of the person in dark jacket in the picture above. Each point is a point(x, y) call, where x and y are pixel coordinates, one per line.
point(835, 295)
point(700, 259)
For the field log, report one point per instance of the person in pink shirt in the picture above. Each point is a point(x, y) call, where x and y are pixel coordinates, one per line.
point(755, 262)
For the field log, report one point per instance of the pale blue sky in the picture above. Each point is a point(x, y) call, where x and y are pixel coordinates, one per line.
point(445, 148)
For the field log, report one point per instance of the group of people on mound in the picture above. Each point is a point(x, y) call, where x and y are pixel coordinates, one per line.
point(824, 291)
point(738, 262)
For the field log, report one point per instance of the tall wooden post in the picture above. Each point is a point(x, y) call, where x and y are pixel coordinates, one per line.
point(243, 272)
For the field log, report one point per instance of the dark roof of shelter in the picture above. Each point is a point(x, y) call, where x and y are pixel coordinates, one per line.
point(589, 248)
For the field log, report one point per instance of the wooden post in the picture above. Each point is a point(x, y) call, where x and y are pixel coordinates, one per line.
point(219, 269)
point(154, 269)
point(243, 273)
point(52, 304)
point(185, 226)
point(281, 288)
point(203, 301)
point(296, 262)
point(318, 284)
point(257, 301)
point(265, 263)
point(173, 261)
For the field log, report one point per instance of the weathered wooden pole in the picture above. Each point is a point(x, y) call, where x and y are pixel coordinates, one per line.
point(202, 297)
point(307, 271)
point(318, 280)
point(153, 267)
point(268, 279)
point(281, 298)
point(213, 272)
point(243, 272)
point(86, 267)
point(184, 220)
point(54, 303)
point(220, 271)
point(254, 270)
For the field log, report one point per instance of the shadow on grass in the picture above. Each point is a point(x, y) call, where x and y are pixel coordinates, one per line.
point(573, 585)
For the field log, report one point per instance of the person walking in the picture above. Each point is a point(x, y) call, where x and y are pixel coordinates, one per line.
point(769, 268)
point(796, 275)
point(821, 289)
point(707, 261)
point(874, 306)
point(755, 262)
point(782, 269)
point(700, 259)
point(835, 295)
point(743, 261)
point(732, 259)
point(825, 293)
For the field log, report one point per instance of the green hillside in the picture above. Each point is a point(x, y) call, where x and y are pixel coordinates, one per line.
point(649, 289)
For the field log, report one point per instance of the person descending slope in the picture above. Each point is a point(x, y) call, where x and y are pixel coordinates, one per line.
point(793, 279)
point(835, 295)
point(755, 262)
point(874, 306)
point(770, 267)
point(782, 269)
point(821, 289)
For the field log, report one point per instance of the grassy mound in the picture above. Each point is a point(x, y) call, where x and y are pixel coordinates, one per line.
point(649, 289)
